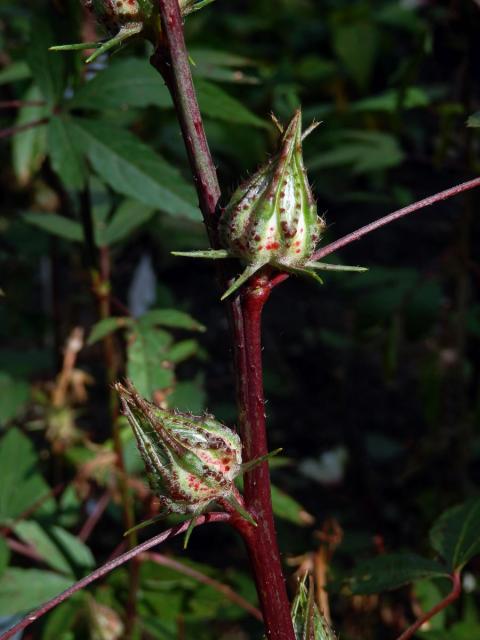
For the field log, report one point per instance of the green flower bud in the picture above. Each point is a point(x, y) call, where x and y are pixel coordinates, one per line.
point(272, 218)
point(191, 461)
point(308, 622)
point(124, 19)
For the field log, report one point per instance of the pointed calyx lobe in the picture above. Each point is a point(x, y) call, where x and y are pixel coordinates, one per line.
point(191, 461)
point(272, 218)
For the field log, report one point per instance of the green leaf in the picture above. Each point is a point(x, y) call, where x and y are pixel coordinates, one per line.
point(366, 151)
point(147, 365)
point(287, 508)
point(29, 146)
point(76, 551)
point(22, 590)
point(428, 594)
point(126, 83)
point(392, 571)
point(188, 395)
point(221, 66)
point(215, 103)
point(47, 69)
point(33, 533)
point(107, 326)
point(130, 215)
point(392, 99)
point(474, 120)
point(65, 159)
point(55, 224)
point(14, 72)
point(21, 484)
point(4, 556)
point(172, 318)
point(134, 169)
point(456, 534)
point(356, 46)
point(64, 617)
point(14, 394)
point(182, 350)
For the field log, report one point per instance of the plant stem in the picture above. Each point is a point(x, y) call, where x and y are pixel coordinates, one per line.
point(171, 60)
point(12, 131)
point(395, 215)
point(443, 604)
point(107, 568)
point(261, 541)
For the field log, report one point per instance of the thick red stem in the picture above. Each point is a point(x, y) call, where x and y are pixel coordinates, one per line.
point(171, 59)
point(261, 540)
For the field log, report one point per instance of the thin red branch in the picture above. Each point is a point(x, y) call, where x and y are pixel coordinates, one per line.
point(452, 596)
point(107, 568)
point(24, 549)
point(391, 217)
point(19, 104)
point(12, 131)
point(224, 589)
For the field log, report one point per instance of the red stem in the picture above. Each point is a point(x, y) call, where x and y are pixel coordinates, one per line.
point(261, 541)
point(107, 568)
point(12, 131)
point(93, 519)
point(18, 104)
point(171, 60)
point(395, 215)
point(443, 604)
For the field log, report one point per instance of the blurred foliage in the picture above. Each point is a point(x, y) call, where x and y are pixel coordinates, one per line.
point(372, 379)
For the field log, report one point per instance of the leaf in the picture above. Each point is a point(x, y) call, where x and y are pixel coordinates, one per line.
point(14, 72)
point(188, 396)
point(29, 146)
point(356, 46)
point(474, 120)
point(134, 169)
point(456, 534)
point(221, 66)
point(128, 83)
point(428, 595)
point(65, 159)
point(4, 555)
point(172, 318)
point(47, 69)
point(33, 533)
point(22, 590)
point(14, 394)
point(76, 551)
point(21, 484)
point(130, 215)
point(287, 508)
point(55, 224)
point(182, 351)
point(147, 356)
point(107, 326)
point(392, 99)
point(64, 617)
point(391, 572)
point(215, 103)
point(366, 151)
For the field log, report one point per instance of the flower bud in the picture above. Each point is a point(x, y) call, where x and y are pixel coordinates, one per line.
point(272, 218)
point(190, 460)
point(308, 622)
